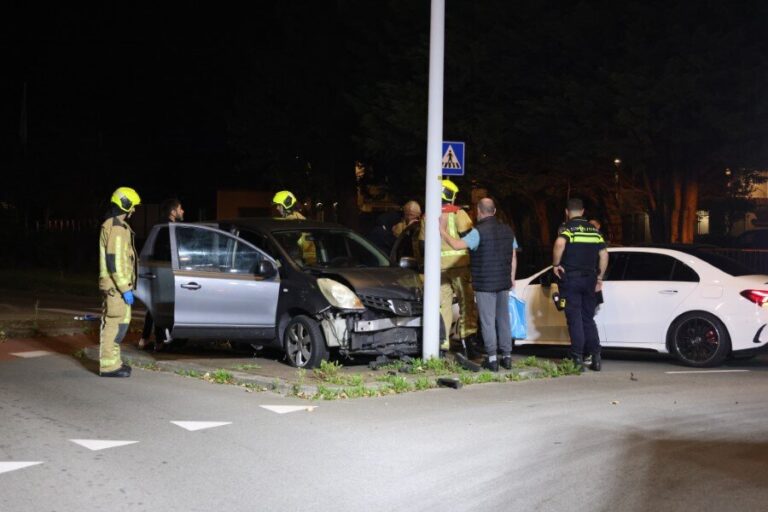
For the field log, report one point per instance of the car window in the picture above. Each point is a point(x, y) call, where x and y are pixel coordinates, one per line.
point(162, 249)
point(211, 251)
point(617, 262)
point(647, 266)
point(330, 248)
point(683, 272)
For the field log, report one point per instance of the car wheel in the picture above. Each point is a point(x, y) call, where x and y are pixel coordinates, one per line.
point(304, 342)
point(699, 339)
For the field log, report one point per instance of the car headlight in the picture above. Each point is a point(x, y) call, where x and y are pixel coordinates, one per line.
point(339, 295)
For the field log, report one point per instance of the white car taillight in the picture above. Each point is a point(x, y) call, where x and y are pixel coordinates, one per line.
point(759, 297)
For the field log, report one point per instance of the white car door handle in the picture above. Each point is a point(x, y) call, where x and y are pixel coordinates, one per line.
point(191, 286)
point(668, 292)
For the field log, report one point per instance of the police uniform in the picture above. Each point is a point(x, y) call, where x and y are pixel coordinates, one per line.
point(577, 286)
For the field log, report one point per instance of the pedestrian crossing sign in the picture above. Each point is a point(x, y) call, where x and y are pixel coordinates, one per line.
point(453, 158)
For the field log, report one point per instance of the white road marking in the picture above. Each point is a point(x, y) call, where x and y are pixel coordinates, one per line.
point(706, 371)
point(99, 444)
point(200, 425)
point(284, 409)
point(13, 466)
point(32, 353)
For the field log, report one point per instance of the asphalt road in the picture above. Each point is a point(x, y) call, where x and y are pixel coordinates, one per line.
point(632, 437)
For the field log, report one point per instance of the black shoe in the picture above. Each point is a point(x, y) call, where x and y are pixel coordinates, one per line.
point(491, 365)
point(123, 371)
point(596, 364)
point(506, 362)
point(578, 362)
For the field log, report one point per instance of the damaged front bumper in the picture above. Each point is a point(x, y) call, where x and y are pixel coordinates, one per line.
point(397, 335)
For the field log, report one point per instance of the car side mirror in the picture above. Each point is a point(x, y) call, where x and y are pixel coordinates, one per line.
point(409, 263)
point(266, 269)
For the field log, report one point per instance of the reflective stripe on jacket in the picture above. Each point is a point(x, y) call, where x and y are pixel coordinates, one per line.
point(458, 223)
point(117, 256)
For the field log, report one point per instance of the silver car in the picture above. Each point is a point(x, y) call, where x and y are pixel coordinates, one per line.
point(302, 286)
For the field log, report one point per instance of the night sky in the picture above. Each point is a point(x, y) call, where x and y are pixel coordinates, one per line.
point(184, 101)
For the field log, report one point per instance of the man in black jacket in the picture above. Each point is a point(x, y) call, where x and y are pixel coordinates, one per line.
point(493, 262)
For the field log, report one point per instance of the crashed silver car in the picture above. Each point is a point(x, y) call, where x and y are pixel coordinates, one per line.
point(304, 287)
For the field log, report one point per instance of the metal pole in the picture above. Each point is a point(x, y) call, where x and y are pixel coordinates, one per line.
point(431, 341)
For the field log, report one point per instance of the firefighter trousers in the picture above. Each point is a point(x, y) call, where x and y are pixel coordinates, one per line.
point(115, 319)
point(457, 281)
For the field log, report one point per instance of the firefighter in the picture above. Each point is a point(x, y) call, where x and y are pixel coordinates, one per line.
point(117, 280)
point(286, 202)
point(454, 270)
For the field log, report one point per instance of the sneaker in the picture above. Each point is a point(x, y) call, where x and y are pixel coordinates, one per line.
point(506, 362)
point(491, 365)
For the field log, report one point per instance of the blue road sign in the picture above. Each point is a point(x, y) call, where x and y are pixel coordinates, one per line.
point(453, 158)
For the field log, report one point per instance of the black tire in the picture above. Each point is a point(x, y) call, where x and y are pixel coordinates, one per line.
point(304, 343)
point(699, 339)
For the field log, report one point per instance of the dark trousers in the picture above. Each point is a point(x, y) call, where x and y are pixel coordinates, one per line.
point(580, 304)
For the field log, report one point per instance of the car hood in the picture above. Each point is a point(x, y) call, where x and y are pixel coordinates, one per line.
point(387, 282)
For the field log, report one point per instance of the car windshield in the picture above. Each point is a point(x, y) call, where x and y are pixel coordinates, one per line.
point(330, 248)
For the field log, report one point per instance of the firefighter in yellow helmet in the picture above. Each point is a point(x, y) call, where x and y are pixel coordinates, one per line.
point(117, 280)
point(454, 270)
point(285, 202)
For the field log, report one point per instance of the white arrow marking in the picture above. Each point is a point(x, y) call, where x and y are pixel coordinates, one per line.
point(283, 409)
point(13, 466)
point(98, 444)
point(706, 371)
point(32, 353)
point(200, 425)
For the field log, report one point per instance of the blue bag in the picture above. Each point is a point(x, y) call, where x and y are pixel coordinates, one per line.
point(517, 318)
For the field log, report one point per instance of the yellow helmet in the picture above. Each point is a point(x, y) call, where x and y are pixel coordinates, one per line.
point(126, 198)
point(449, 191)
point(285, 199)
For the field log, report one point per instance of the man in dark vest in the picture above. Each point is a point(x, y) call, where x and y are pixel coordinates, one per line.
point(493, 262)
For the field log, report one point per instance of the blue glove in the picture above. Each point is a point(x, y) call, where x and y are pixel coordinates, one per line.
point(128, 297)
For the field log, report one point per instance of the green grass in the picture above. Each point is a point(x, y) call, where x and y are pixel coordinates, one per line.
point(550, 369)
point(221, 376)
point(246, 367)
point(190, 373)
point(330, 373)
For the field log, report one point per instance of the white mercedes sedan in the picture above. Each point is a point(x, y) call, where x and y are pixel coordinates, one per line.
point(696, 305)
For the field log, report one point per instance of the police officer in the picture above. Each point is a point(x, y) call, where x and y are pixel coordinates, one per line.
point(454, 269)
point(117, 280)
point(286, 203)
point(578, 246)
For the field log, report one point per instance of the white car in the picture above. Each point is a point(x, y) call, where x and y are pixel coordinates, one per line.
point(693, 304)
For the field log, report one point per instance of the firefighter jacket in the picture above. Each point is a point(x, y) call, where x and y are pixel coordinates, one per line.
point(459, 224)
point(117, 256)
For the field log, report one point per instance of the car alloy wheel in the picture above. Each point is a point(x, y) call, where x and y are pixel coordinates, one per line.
point(699, 339)
point(304, 342)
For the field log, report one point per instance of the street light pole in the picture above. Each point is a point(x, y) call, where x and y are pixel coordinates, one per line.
point(431, 334)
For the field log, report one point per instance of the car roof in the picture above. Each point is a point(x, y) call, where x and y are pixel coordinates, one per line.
point(273, 224)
